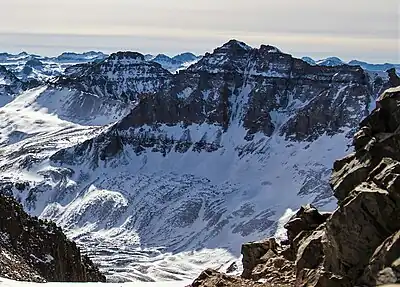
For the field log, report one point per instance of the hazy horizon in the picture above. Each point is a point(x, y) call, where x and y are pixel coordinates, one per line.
point(348, 30)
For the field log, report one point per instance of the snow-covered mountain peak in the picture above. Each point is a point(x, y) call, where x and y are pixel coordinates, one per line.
point(186, 57)
point(10, 85)
point(335, 61)
point(7, 77)
point(35, 63)
point(162, 58)
point(23, 53)
point(177, 63)
point(121, 76)
point(126, 58)
point(235, 45)
point(230, 56)
point(330, 62)
point(309, 60)
point(4, 55)
point(96, 54)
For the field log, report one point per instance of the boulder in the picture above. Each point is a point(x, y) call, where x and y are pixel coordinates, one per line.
point(306, 219)
point(310, 253)
point(212, 278)
point(386, 276)
point(252, 253)
point(321, 278)
point(388, 112)
point(357, 228)
point(394, 80)
point(276, 271)
point(232, 268)
point(348, 173)
point(383, 259)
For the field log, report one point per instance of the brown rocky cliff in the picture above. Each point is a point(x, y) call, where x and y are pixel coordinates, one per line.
point(35, 250)
point(359, 243)
point(393, 78)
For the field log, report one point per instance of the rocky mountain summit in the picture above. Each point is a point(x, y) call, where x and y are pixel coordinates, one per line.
point(122, 75)
point(263, 90)
point(356, 245)
point(36, 250)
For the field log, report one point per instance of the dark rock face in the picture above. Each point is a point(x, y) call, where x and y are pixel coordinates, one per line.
point(253, 252)
point(123, 76)
point(234, 86)
point(358, 244)
point(325, 113)
point(394, 80)
point(9, 84)
point(306, 219)
point(239, 83)
point(35, 250)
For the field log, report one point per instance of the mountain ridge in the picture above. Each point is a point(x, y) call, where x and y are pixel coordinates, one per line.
point(21, 64)
point(187, 164)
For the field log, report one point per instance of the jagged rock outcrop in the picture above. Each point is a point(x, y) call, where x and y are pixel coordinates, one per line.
point(394, 80)
point(385, 260)
point(369, 204)
point(359, 243)
point(35, 250)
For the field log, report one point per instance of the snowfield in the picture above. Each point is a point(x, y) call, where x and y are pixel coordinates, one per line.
point(153, 218)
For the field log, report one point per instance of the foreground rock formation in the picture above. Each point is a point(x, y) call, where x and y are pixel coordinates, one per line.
point(359, 243)
point(35, 250)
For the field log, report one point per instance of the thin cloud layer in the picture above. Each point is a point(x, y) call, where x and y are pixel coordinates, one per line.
point(349, 29)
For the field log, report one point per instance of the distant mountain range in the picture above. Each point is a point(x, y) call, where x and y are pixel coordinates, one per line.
point(30, 66)
point(335, 61)
point(27, 67)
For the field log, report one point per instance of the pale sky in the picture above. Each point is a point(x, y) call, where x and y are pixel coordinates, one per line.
point(363, 29)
